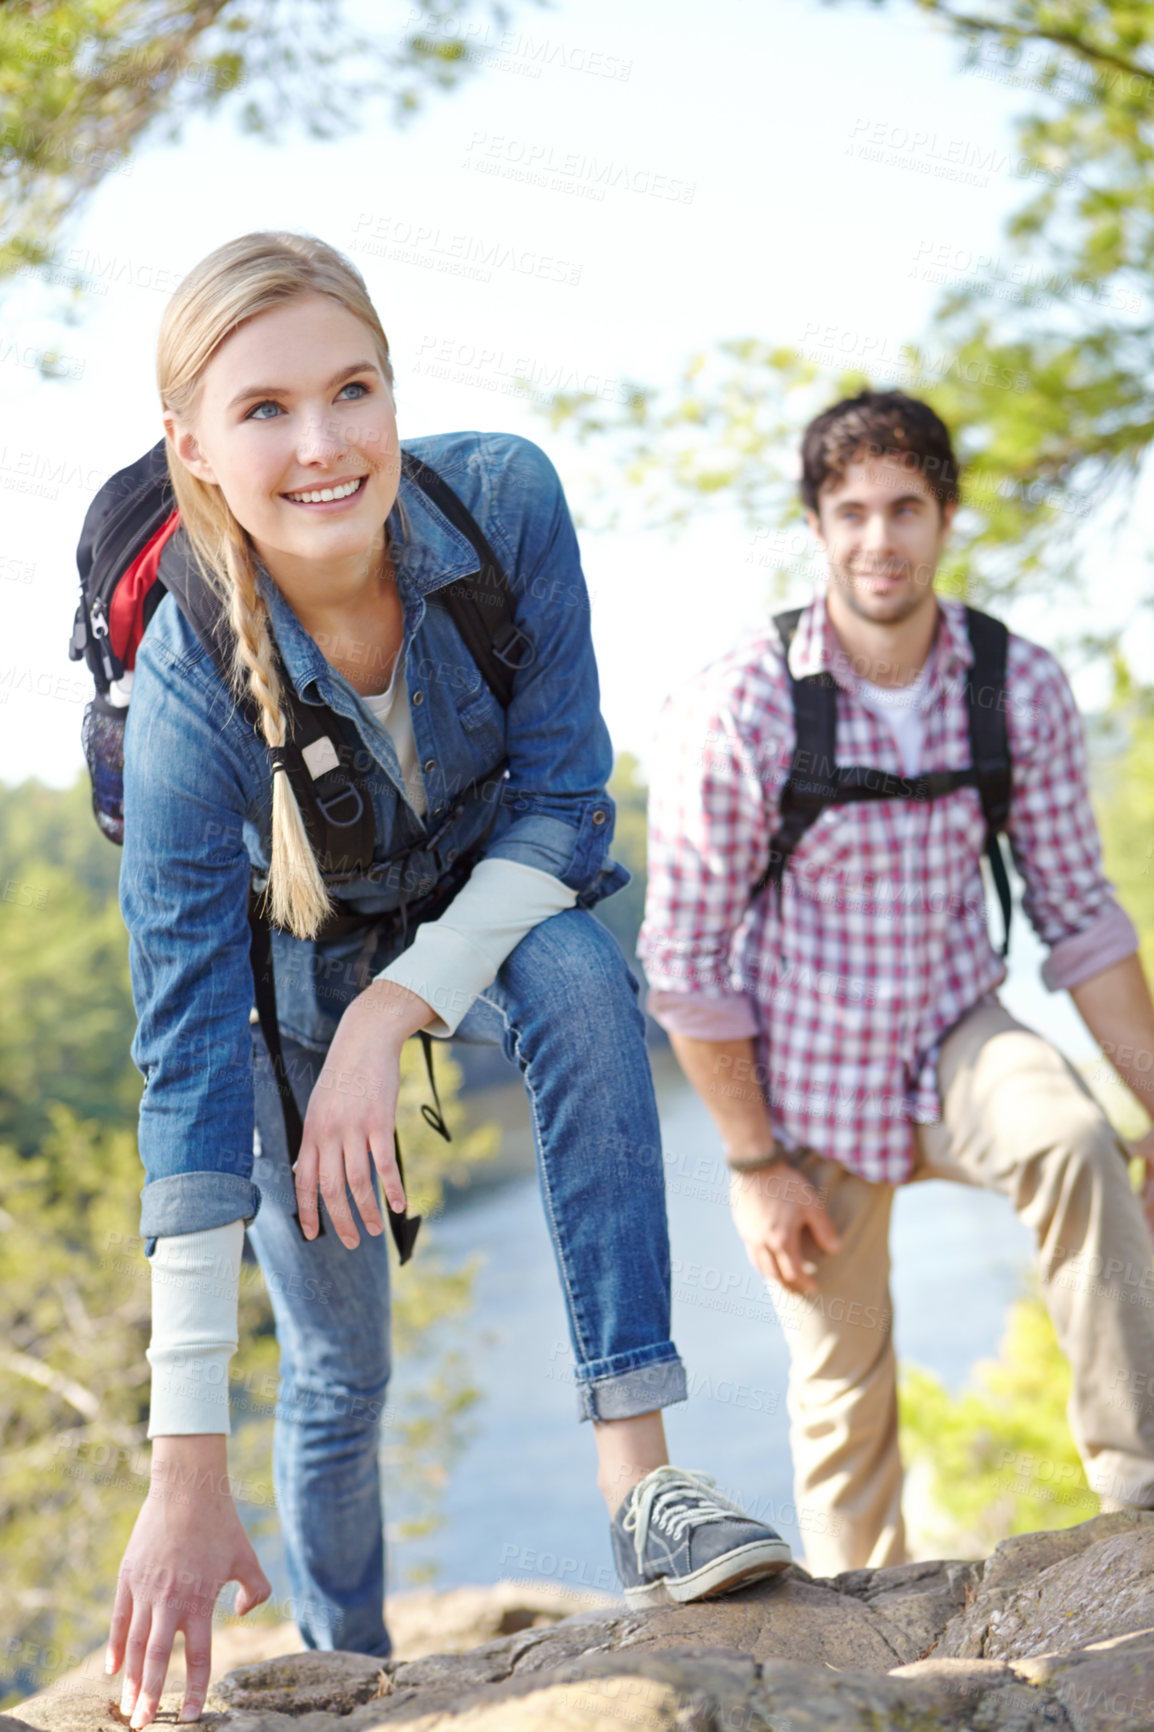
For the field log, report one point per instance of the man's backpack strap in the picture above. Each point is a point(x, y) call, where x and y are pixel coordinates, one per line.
point(812, 781)
point(481, 605)
point(816, 781)
point(989, 745)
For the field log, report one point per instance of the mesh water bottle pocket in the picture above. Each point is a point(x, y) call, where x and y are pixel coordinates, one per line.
point(102, 734)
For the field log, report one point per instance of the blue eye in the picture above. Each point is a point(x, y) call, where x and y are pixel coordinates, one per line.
point(255, 413)
point(356, 385)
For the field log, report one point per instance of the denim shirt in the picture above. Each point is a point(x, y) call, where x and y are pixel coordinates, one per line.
point(198, 809)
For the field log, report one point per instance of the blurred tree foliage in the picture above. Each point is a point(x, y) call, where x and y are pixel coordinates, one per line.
point(997, 1459)
point(83, 81)
point(1041, 365)
point(74, 1282)
point(66, 1017)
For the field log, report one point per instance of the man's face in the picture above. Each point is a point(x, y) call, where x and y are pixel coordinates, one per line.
point(883, 532)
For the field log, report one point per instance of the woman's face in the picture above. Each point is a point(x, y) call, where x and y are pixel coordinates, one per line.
point(293, 406)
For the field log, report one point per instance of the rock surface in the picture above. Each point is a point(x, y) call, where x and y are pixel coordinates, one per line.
point(1053, 1633)
point(421, 1622)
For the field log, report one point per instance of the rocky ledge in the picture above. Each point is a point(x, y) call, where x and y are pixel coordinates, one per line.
point(1055, 1631)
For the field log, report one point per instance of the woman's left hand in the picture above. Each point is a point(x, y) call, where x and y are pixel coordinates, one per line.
point(352, 1111)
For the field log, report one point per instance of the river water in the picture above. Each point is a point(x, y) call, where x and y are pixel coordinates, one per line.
point(521, 1500)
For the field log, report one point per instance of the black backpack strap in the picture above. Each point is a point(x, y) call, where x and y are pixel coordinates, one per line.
point(434, 1115)
point(811, 785)
point(402, 1225)
point(320, 750)
point(260, 955)
point(815, 780)
point(989, 745)
point(321, 760)
point(198, 601)
point(481, 605)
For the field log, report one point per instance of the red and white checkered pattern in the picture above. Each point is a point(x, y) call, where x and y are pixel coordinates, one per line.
point(882, 941)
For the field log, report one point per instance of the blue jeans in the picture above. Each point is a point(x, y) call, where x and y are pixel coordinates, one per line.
point(564, 1008)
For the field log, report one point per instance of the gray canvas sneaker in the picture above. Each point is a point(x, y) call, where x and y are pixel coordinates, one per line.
point(676, 1538)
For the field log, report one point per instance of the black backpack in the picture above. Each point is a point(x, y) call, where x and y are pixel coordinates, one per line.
point(132, 551)
point(816, 780)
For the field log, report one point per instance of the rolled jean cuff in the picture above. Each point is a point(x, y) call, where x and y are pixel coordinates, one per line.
point(606, 1393)
point(193, 1202)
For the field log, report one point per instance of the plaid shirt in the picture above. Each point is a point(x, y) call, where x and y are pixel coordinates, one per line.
point(881, 944)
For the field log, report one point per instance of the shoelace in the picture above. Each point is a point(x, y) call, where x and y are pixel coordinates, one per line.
point(668, 1485)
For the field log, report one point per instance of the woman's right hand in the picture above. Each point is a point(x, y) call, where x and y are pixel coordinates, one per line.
point(187, 1543)
point(348, 1127)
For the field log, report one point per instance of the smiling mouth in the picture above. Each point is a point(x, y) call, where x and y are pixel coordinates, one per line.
point(327, 495)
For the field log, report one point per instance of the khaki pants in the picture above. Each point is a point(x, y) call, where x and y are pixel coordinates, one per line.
point(1017, 1119)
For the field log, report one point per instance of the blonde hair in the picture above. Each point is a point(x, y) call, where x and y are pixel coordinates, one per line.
point(238, 281)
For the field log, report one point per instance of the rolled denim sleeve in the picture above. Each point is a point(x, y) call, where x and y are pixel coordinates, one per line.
point(184, 897)
point(555, 812)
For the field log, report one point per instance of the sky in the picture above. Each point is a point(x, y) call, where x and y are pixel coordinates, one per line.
point(655, 178)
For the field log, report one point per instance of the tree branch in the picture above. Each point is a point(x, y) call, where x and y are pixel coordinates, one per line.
point(35, 1371)
point(1062, 38)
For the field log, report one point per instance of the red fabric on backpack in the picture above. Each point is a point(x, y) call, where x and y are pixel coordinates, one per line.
point(126, 613)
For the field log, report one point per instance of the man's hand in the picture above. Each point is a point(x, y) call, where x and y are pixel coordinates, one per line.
point(772, 1210)
point(353, 1109)
point(187, 1543)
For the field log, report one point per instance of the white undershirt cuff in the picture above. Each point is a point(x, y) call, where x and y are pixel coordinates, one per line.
point(453, 959)
point(195, 1291)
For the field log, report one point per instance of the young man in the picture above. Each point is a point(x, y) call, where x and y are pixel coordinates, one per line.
point(859, 991)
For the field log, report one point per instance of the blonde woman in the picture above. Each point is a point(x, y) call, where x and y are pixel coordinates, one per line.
point(282, 446)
